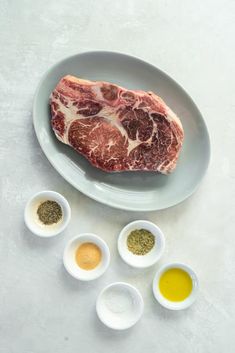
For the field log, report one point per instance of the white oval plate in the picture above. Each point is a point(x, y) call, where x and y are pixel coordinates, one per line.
point(137, 191)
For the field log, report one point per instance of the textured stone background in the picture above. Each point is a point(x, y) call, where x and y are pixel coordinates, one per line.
point(42, 309)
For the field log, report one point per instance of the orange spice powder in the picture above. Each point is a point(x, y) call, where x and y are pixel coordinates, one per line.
point(88, 256)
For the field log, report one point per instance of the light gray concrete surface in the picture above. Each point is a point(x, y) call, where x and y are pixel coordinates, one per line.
point(42, 309)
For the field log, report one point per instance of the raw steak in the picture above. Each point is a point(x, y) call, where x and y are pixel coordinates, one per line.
point(114, 128)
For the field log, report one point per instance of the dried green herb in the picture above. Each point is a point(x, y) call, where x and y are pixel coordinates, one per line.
point(140, 241)
point(49, 212)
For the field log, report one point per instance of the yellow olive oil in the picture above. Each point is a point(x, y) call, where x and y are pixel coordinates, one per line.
point(175, 284)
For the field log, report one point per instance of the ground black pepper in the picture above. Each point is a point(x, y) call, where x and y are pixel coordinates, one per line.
point(49, 212)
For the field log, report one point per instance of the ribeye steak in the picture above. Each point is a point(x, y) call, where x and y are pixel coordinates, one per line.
point(116, 129)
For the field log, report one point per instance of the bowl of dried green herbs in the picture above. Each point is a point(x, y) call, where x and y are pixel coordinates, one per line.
point(141, 244)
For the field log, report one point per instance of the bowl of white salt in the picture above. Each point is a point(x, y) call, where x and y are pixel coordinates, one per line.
point(119, 306)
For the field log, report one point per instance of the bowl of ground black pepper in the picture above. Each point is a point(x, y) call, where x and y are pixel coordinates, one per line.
point(47, 214)
point(141, 244)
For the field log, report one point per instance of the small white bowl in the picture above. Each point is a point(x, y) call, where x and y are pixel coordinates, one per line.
point(69, 257)
point(170, 304)
point(119, 306)
point(32, 220)
point(141, 261)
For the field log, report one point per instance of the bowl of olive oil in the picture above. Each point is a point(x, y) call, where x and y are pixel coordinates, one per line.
point(175, 286)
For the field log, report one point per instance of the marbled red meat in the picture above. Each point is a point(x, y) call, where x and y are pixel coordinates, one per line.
point(116, 129)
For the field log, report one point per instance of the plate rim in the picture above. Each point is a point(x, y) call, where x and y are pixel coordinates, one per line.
point(90, 194)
